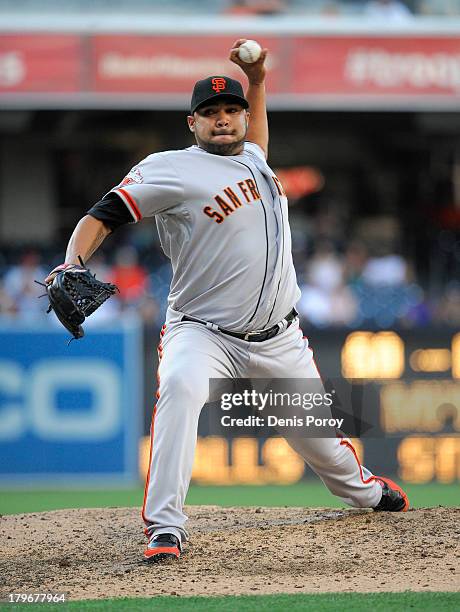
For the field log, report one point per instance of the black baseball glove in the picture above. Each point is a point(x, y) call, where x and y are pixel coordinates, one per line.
point(74, 294)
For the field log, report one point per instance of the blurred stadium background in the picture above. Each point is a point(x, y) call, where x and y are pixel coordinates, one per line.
point(364, 102)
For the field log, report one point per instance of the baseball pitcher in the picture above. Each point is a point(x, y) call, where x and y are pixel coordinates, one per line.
point(222, 218)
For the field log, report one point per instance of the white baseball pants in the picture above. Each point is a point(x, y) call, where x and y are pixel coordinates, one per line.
point(190, 354)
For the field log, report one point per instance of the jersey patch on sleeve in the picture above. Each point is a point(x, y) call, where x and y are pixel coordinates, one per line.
point(133, 176)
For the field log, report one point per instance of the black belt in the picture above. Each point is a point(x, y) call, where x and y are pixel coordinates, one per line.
point(255, 336)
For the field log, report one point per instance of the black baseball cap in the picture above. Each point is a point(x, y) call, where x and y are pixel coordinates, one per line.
point(215, 88)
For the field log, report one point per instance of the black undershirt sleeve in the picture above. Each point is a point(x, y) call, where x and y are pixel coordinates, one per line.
point(112, 211)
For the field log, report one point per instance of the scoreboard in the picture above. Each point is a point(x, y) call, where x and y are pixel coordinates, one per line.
point(419, 393)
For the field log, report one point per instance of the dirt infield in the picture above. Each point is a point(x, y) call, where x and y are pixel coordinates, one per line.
point(96, 553)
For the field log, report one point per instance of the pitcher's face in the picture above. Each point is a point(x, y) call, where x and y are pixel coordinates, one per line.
point(220, 128)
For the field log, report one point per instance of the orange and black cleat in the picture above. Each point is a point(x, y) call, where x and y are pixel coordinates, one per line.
point(393, 497)
point(162, 547)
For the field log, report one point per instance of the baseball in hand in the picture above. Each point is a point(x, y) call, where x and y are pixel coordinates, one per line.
point(249, 52)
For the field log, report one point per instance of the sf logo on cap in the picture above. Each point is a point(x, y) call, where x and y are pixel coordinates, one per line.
point(219, 84)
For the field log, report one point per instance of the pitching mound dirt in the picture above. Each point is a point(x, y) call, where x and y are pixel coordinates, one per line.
point(96, 553)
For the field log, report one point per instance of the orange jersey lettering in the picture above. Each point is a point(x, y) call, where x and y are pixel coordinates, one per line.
point(234, 199)
point(225, 206)
point(213, 214)
point(279, 186)
point(253, 189)
point(232, 202)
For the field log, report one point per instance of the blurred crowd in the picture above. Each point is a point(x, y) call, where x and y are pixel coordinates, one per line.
point(360, 277)
point(391, 10)
point(342, 286)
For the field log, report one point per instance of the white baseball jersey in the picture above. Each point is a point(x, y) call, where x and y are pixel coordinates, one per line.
point(223, 222)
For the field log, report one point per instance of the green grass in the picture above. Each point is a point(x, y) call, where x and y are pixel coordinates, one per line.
point(312, 495)
point(317, 602)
